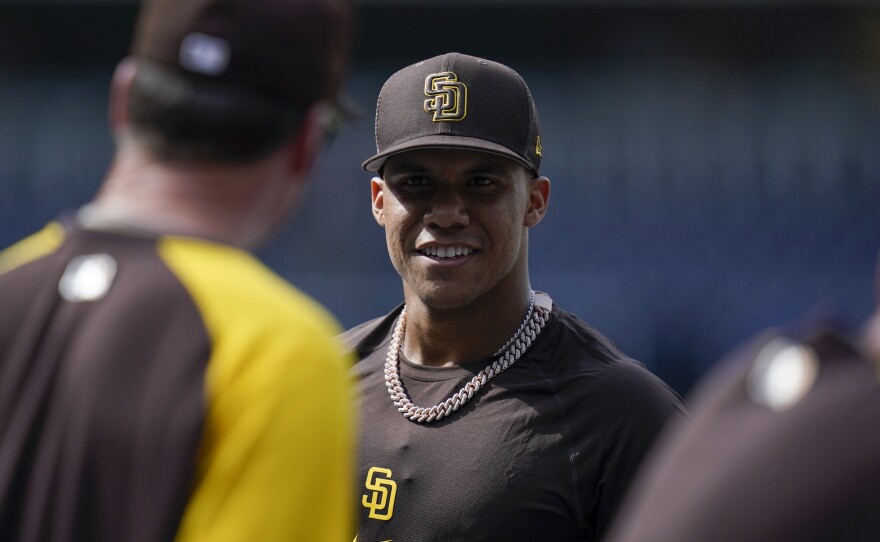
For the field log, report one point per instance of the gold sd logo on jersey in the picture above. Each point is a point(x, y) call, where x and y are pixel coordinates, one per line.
point(448, 99)
point(384, 489)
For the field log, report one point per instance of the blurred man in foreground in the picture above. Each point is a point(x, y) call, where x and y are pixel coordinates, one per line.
point(782, 446)
point(156, 380)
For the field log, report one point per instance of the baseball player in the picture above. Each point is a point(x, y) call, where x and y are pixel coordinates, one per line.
point(156, 381)
point(487, 411)
point(782, 446)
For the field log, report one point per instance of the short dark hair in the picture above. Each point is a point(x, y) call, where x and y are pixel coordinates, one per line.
point(182, 117)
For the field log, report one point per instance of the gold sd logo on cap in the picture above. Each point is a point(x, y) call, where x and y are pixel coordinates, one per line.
point(449, 97)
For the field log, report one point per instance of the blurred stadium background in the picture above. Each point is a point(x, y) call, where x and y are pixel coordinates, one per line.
point(715, 163)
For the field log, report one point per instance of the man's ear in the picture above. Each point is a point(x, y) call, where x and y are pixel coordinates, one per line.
point(539, 197)
point(120, 88)
point(377, 187)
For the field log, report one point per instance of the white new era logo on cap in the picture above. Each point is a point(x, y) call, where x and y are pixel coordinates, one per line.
point(204, 54)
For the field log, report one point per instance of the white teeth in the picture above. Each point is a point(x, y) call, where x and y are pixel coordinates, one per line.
point(446, 252)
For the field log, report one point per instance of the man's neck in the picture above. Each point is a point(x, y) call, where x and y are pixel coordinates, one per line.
point(199, 201)
point(440, 337)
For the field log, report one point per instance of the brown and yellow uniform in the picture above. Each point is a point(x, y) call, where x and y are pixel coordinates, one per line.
point(162, 387)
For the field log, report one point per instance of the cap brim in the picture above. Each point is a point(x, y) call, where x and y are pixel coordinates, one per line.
point(375, 162)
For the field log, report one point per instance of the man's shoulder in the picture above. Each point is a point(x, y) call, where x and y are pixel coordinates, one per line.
point(238, 294)
point(772, 411)
point(586, 348)
point(32, 247)
point(596, 367)
point(367, 337)
point(811, 355)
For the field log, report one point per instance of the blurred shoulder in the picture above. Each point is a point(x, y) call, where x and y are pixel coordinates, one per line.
point(235, 290)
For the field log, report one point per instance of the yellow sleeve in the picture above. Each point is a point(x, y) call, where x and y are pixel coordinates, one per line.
point(30, 248)
point(277, 457)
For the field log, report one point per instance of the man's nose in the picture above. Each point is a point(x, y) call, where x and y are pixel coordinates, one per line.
point(447, 210)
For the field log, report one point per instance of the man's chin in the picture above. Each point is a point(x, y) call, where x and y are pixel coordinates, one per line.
point(443, 296)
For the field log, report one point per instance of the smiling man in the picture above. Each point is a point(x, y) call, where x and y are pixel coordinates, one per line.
point(487, 412)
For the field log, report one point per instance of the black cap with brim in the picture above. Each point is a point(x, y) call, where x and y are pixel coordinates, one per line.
point(457, 101)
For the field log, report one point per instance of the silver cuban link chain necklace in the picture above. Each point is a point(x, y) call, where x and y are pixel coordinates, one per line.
point(507, 355)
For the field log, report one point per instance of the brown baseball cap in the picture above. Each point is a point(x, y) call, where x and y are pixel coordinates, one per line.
point(457, 101)
point(293, 50)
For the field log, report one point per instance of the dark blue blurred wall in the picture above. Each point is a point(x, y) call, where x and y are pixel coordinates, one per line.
point(714, 172)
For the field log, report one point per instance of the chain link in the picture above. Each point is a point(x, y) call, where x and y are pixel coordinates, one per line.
point(507, 355)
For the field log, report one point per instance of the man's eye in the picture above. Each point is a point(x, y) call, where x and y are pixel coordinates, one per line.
point(482, 181)
point(414, 181)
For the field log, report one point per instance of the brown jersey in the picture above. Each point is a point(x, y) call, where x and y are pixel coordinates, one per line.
point(782, 446)
point(544, 451)
point(159, 387)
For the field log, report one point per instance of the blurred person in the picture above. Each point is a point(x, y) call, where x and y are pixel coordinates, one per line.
point(157, 381)
point(487, 411)
point(782, 445)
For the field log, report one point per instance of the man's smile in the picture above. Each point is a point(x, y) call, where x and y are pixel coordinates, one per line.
point(448, 252)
